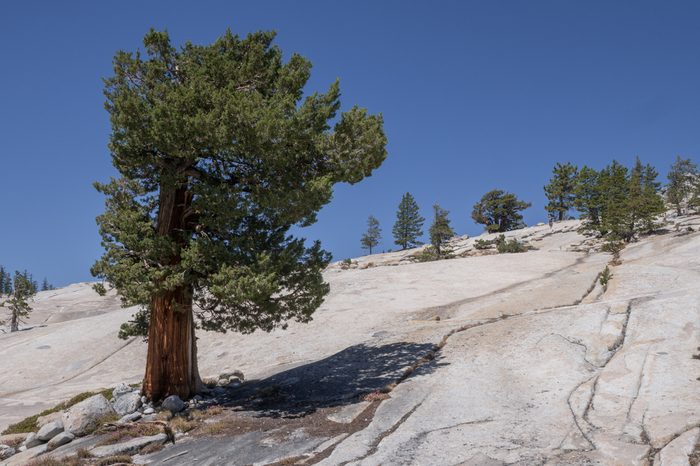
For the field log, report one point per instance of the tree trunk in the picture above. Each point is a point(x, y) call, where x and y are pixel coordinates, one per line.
point(171, 363)
point(14, 321)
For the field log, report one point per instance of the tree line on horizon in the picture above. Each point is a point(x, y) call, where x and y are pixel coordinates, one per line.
point(615, 202)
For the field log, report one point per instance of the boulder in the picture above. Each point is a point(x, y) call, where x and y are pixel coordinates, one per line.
point(50, 430)
point(84, 417)
point(60, 440)
point(6, 451)
point(128, 447)
point(148, 411)
point(41, 421)
point(174, 404)
point(127, 403)
point(121, 389)
point(13, 439)
point(31, 441)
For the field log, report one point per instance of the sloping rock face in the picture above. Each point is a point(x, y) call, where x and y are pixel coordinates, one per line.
point(490, 359)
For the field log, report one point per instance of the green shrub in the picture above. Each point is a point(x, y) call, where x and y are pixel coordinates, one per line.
point(605, 276)
point(484, 243)
point(428, 254)
point(509, 246)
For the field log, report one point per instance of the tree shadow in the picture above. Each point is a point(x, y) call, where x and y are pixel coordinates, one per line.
point(336, 380)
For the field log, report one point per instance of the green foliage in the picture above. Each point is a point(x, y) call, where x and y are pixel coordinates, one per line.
point(682, 183)
point(440, 232)
point(560, 190)
point(605, 276)
point(219, 155)
point(427, 254)
point(370, 239)
point(22, 292)
point(409, 223)
point(509, 246)
point(484, 243)
point(499, 211)
point(617, 202)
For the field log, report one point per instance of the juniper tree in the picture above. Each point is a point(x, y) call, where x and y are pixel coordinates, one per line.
point(409, 223)
point(18, 301)
point(560, 190)
point(499, 211)
point(440, 231)
point(370, 239)
point(219, 154)
point(681, 183)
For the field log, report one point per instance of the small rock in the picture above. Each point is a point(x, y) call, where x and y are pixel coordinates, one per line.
point(6, 451)
point(144, 400)
point(121, 389)
point(128, 447)
point(149, 410)
point(132, 417)
point(197, 398)
point(84, 417)
point(236, 373)
point(127, 403)
point(31, 441)
point(60, 439)
point(174, 404)
point(26, 456)
point(49, 431)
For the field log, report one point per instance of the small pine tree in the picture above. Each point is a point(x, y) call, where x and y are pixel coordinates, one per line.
point(7, 283)
point(2, 280)
point(681, 183)
point(45, 286)
point(440, 231)
point(560, 190)
point(409, 223)
point(373, 235)
point(18, 302)
point(499, 211)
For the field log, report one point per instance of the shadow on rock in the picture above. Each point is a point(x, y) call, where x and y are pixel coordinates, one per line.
point(337, 380)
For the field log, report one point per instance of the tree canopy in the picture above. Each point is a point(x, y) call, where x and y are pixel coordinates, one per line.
point(499, 211)
point(219, 153)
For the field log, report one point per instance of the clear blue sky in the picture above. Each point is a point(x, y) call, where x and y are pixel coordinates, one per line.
point(475, 95)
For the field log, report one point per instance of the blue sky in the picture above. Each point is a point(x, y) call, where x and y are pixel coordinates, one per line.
point(475, 95)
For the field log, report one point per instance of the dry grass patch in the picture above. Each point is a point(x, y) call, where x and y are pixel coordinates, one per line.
point(215, 428)
point(182, 424)
point(206, 413)
point(72, 461)
point(131, 431)
point(119, 459)
point(152, 448)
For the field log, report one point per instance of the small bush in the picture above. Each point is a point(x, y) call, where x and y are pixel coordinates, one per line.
point(346, 264)
point(509, 246)
point(605, 276)
point(428, 254)
point(484, 243)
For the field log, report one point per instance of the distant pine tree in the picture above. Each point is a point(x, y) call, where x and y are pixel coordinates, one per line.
point(409, 223)
point(681, 183)
point(440, 231)
point(370, 239)
point(18, 301)
point(45, 286)
point(2, 280)
point(560, 190)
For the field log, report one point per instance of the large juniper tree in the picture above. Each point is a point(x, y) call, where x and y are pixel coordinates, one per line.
point(370, 239)
point(218, 156)
point(409, 223)
point(560, 190)
point(499, 211)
